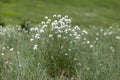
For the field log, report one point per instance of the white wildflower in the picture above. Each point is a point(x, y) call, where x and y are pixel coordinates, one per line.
point(59, 36)
point(37, 36)
point(32, 29)
point(77, 37)
point(88, 42)
point(91, 46)
point(36, 29)
point(85, 32)
point(117, 37)
point(35, 47)
point(46, 17)
point(76, 28)
point(6, 62)
point(2, 54)
point(44, 26)
point(69, 49)
point(66, 16)
point(68, 21)
point(64, 37)
point(101, 30)
point(66, 54)
point(18, 52)
point(79, 64)
point(97, 33)
point(31, 39)
point(104, 33)
point(97, 38)
point(75, 59)
point(59, 16)
point(11, 49)
point(88, 68)
point(50, 35)
point(62, 47)
point(54, 15)
point(4, 48)
point(70, 34)
point(20, 65)
point(43, 22)
point(41, 30)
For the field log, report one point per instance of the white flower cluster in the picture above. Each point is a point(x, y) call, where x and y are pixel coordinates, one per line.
point(61, 26)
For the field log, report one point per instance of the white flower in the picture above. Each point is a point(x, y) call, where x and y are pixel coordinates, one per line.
point(6, 62)
point(66, 54)
point(64, 37)
point(111, 47)
point(85, 32)
point(20, 65)
point(69, 49)
point(101, 30)
point(59, 16)
point(66, 16)
point(76, 28)
point(62, 47)
point(105, 33)
point(68, 21)
point(2, 54)
point(36, 29)
point(79, 64)
point(32, 29)
point(37, 36)
point(43, 22)
point(88, 68)
point(75, 33)
point(49, 20)
point(70, 34)
point(62, 24)
point(44, 26)
point(54, 15)
point(41, 30)
point(31, 39)
point(75, 59)
point(4, 48)
point(77, 37)
point(59, 36)
point(91, 46)
point(88, 42)
point(35, 47)
point(97, 38)
point(11, 49)
point(53, 25)
point(18, 52)
point(97, 34)
point(50, 35)
point(117, 37)
point(46, 17)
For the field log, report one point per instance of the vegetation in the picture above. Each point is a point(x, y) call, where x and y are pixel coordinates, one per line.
point(84, 46)
point(85, 12)
point(56, 50)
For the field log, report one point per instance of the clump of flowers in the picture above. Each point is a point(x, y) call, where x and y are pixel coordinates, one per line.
point(57, 40)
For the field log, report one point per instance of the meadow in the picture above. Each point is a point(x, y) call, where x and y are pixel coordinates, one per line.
point(60, 40)
point(83, 12)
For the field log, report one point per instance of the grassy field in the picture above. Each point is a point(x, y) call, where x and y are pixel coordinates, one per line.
point(55, 50)
point(85, 12)
point(53, 47)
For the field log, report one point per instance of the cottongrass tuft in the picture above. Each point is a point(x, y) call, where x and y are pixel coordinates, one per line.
point(59, 37)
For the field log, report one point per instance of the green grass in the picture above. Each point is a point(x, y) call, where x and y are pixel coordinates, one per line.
point(95, 56)
point(85, 12)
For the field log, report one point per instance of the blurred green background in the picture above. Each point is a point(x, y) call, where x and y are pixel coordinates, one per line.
point(82, 12)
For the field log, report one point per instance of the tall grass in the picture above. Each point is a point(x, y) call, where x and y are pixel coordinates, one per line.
point(45, 53)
